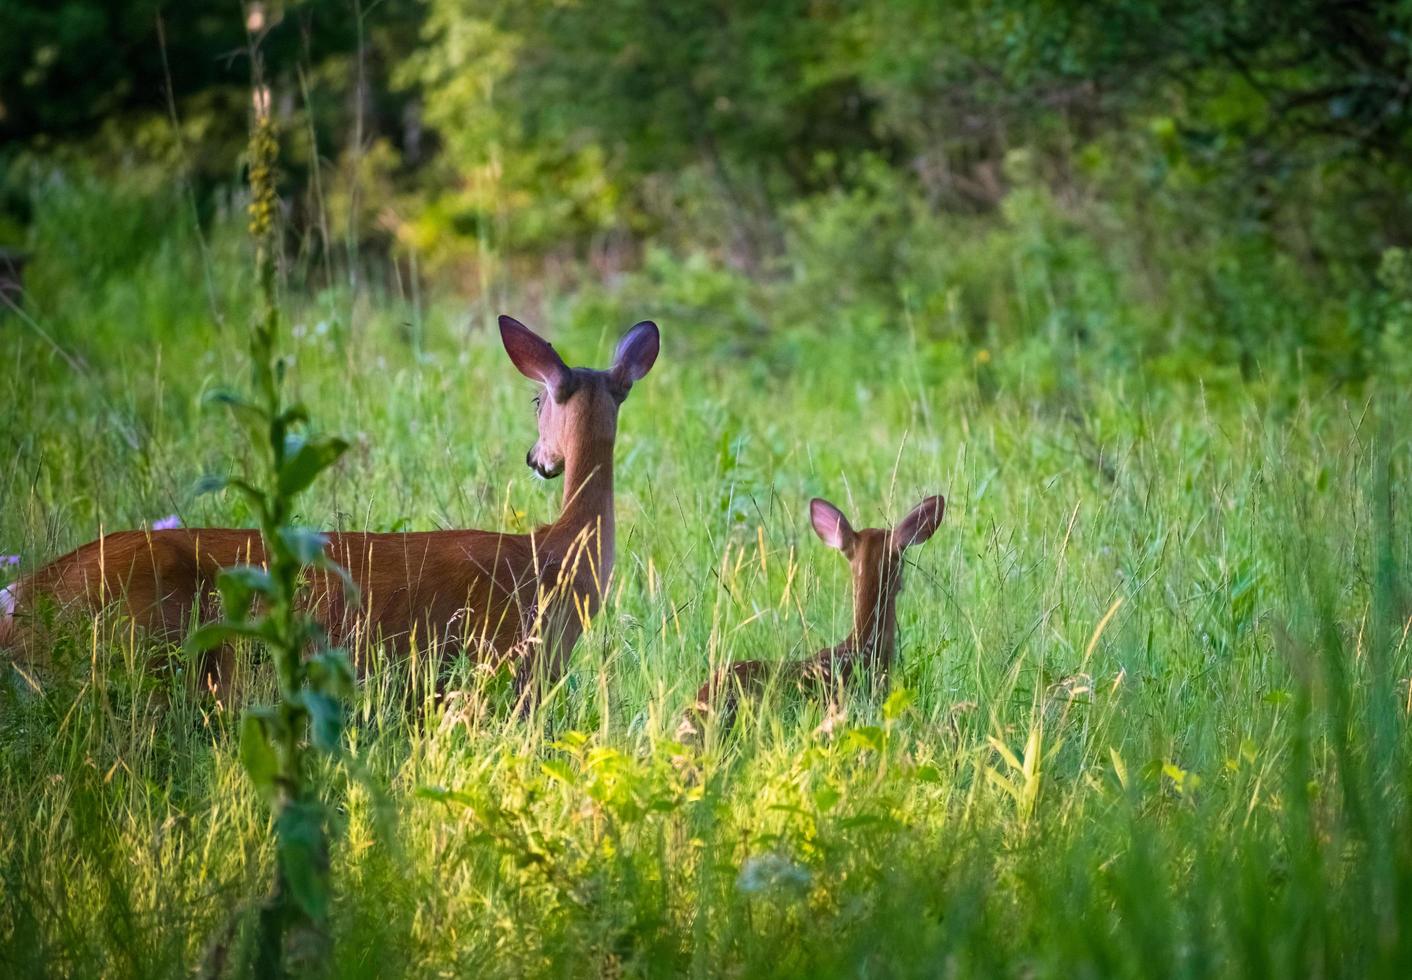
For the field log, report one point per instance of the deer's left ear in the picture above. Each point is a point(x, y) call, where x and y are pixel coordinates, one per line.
point(920, 524)
point(636, 354)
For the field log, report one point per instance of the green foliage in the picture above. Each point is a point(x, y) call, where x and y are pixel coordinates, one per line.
point(311, 688)
point(1216, 780)
point(1121, 279)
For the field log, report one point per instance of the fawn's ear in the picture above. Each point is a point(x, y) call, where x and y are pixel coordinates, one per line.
point(636, 354)
point(920, 524)
point(830, 525)
point(533, 355)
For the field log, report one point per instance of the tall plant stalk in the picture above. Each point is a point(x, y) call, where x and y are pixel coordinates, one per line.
point(262, 603)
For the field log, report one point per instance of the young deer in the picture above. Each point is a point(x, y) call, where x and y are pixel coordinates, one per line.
point(875, 557)
point(495, 595)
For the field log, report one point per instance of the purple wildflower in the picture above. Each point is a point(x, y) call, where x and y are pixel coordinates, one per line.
point(9, 559)
point(168, 523)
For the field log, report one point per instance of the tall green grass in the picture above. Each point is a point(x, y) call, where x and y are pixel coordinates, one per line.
point(1150, 717)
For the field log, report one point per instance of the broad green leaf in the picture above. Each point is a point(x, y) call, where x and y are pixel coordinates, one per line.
point(897, 703)
point(246, 411)
point(296, 414)
point(248, 415)
point(330, 672)
point(325, 720)
point(257, 754)
point(311, 459)
point(307, 546)
point(302, 853)
point(238, 585)
point(866, 737)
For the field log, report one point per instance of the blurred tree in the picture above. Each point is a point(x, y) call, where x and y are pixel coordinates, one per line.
point(68, 69)
point(574, 128)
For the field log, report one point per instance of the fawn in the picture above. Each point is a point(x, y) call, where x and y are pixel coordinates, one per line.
point(496, 595)
point(875, 557)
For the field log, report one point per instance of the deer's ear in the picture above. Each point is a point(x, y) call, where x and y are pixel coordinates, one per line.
point(830, 525)
point(921, 523)
point(535, 357)
point(636, 354)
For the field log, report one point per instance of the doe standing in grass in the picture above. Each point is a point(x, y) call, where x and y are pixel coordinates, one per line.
point(496, 595)
point(875, 559)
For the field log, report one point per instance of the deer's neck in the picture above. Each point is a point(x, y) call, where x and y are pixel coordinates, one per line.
point(583, 536)
point(875, 622)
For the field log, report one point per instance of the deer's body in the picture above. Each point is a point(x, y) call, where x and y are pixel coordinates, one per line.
point(875, 559)
point(492, 594)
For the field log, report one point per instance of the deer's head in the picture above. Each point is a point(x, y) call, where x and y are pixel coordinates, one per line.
point(875, 553)
point(577, 407)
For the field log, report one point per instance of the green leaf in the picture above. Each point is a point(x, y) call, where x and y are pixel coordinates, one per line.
point(897, 703)
point(307, 546)
point(330, 672)
point(560, 770)
point(927, 773)
point(296, 414)
point(247, 414)
point(325, 721)
point(307, 462)
point(245, 410)
point(210, 483)
point(254, 497)
point(214, 634)
point(302, 853)
point(257, 753)
point(866, 738)
point(238, 584)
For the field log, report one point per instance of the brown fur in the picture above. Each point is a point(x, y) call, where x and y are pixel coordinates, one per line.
point(495, 595)
point(875, 559)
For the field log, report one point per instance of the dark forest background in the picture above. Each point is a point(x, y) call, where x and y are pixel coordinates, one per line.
point(1206, 184)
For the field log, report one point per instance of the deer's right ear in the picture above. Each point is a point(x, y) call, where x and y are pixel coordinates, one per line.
point(535, 357)
point(830, 525)
point(636, 354)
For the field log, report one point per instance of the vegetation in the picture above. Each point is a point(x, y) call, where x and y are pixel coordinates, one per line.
point(1121, 280)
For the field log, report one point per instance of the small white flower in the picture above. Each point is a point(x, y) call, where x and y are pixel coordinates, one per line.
point(771, 872)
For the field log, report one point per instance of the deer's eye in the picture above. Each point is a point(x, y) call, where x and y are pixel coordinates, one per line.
point(538, 400)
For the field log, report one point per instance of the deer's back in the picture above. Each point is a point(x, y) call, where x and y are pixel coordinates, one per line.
point(457, 585)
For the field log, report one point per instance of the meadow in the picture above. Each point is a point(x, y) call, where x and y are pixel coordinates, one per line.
point(1150, 717)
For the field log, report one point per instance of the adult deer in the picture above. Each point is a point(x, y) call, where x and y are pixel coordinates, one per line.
point(875, 558)
point(495, 595)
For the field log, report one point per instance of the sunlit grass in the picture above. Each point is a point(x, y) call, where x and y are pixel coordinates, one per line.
point(1132, 730)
